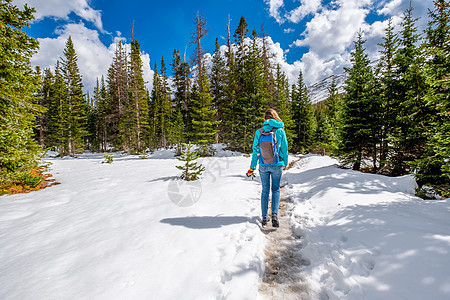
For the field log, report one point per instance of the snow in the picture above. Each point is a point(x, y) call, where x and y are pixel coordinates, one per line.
point(132, 230)
point(112, 231)
point(367, 236)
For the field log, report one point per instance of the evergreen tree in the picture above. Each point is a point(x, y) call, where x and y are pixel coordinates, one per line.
point(117, 87)
point(266, 56)
point(76, 115)
point(254, 98)
point(42, 98)
point(134, 127)
point(154, 107)
point(161, 109)
point(103, 109)
point(239, 35)
point(202, 109)
point(434, 168)
point(91, 123)
point(19, 152)
point(302, 116)
point(323, 134)
point(191, 169)
point(203, 113)
point(218, 85)
point(360, 115)
point(229, 133)
point(387, 83)
point(178, 134)
point(333, 116)
point(281, 103)
point(58, 111)
point(409, 138)
point(165, 112)
point(181, 71)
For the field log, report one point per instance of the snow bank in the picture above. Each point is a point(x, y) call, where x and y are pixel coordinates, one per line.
point(367, 236)
point(132, 230)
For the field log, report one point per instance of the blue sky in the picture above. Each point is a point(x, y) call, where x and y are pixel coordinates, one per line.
point(310, 35)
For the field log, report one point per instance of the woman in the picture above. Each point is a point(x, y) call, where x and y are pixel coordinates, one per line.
point(272, 123)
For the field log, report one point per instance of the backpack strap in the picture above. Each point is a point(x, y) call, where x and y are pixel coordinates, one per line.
point(261, 130)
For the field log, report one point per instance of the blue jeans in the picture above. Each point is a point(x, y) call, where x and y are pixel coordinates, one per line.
point(266, 173)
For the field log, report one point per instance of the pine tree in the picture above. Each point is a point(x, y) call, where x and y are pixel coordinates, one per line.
point(162, 114)
point(360, 115)
point(19, 152)
point(178, 134)
point(229, 133)
point(254, 98)
point(165, 112)
point(134, 127)
point(266, 56)
point(387, 83)
point(203, 113)
point(202, 109)
point(409, 138)
point(181, 71)
point(302, 116)
point(76, 116)
point(333, 116)
point(323, 134)
point(117, 87)
point(91, 123)
point(42, 98)
point(154, 109)
point(191, 170)
point(218, 86)
point(102, 115)
point(57, 112)
point(239, 35)
point(434, 168)
point(281, 103)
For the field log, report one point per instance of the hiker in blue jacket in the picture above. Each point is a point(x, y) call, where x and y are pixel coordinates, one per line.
point(270, 169)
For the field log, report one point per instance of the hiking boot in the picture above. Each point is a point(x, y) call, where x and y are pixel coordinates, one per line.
point(275, 221)
point(265, 220)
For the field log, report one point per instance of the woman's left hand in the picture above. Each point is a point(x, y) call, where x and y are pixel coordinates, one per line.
point(284, 168)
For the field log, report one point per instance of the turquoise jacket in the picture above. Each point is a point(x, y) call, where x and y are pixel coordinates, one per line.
point(281, 142)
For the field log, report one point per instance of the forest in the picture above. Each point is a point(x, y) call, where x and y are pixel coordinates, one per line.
point(392, 119)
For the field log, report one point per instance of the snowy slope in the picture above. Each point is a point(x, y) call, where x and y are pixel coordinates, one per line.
point(319, 90)
point(366, 236)
point(131, 230)
point(116, 232)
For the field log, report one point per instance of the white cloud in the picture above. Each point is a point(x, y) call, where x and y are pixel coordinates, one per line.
point(288, 30)
point(94, 58)
point(390, 8)
point(274, 9)
point(62, 8)
point(329, 35)
point(306, 7)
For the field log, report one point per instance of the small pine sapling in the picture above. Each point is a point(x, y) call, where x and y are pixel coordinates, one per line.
point(191, 170)
point(108, 159)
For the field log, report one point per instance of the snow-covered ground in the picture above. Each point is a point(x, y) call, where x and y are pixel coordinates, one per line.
point(367, 236)
point(132, 230)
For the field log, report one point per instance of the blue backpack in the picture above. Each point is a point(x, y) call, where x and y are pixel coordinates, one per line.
point(268, 148)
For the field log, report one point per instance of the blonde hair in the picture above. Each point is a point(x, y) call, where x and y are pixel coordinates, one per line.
point(272, 114)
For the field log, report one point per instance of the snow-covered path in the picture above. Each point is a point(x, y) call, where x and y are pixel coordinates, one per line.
point(115, 232)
